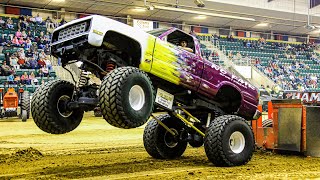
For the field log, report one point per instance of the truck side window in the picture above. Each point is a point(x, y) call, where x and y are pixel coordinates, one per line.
point(179, 38)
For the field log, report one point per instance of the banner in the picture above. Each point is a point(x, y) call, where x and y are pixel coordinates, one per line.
point(142, 24)
point(314, 3)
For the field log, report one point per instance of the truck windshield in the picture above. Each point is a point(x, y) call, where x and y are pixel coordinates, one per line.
point(158, 32)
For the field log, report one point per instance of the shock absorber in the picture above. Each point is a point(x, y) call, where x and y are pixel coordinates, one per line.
point(110, 66)
point(84, 77)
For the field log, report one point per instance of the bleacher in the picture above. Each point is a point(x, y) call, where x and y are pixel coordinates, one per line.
point(266, 54)
point(36, 29)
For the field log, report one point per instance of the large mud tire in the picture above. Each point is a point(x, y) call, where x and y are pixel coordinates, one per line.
point(126, 97)
point(25, 106)
point(229, 141)
point(48, 108)
point(159, 143)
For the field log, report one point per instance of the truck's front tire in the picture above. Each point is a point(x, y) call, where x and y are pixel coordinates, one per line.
point(229, 141)
point(126, 97)
point(49, 110)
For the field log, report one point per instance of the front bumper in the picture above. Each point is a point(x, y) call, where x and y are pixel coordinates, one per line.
point(257, 115)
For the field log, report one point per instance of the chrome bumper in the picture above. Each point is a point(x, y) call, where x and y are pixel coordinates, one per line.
point(256, 115)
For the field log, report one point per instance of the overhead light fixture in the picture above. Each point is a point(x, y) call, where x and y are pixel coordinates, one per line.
point(315, 32)
point(150, 8)
point(139, 9)
point(203, 13)
point(262, 25)
point(199, 3)
point(200, 17)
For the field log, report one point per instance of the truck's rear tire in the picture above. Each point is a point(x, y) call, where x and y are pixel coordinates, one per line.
point(159, 143)
point(49, 110)
point(126, 97)
point(229, 141)
point(25, 106)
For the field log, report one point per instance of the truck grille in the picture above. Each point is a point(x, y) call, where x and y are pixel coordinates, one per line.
point(72, 31)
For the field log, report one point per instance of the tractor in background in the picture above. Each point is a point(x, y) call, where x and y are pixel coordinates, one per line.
point(10, 101)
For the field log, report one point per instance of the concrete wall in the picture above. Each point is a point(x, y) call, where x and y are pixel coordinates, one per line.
point(259, 78)
point(2, 11)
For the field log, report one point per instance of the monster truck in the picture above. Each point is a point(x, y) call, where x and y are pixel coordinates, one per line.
point(146, 72)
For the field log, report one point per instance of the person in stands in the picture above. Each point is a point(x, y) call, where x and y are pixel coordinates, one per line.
point(6, 69)
point(25, 78)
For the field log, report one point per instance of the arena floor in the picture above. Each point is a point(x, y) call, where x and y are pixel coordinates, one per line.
point(95, 150)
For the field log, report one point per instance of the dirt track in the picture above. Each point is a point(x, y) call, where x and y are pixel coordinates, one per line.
point(95, 150)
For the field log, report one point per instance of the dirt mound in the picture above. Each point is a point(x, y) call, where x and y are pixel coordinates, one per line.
point(29, 154)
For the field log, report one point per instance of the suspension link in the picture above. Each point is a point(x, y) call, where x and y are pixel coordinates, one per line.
point(163, 125)
point(188, 123)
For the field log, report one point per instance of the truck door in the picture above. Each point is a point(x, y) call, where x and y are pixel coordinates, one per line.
point(175, 64)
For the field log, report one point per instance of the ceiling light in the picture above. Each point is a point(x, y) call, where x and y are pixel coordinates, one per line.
point(203, 13)
point(315, 32)
point(200, 17)
point(139, 9)
point(199, 3)
point(150, 8)
point(262, 25)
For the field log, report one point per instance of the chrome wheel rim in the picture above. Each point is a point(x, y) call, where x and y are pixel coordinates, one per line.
point(136, 97)
point(169, 139)
point(237, 142)
point(61, 106)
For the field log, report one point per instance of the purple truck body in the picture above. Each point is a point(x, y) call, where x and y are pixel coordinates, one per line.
point(207, 78)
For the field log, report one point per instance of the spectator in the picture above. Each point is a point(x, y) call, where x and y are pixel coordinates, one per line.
point(7, 56)
point(32, 20)
point(22, 62)
point(30, 35)
point(2, 23)
point(21, 42)
point(41, 44)
point(55, 22)
point(230, 54)
point(230, 38)
point(238, 56)
point(33, 79)
point(25, 25)
point(38, 19)
point(17, 80)
point(21, 54)
point(215, 38)
point(29, 53)
point(48, 64)
point(14, 62)
point(15, 42)
point(49, 23)
point(47, 50)
point(24, 34)
point(45, 71)
point(10, 79)
point(41, 63)
point(6, 69)
point(25, 78)
point(21, 17)
point(33, 63)
point(18, 33)
point(268, 89)
point(47, 36)
point(28, 43)
point(9, 23)
point(40, 73)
